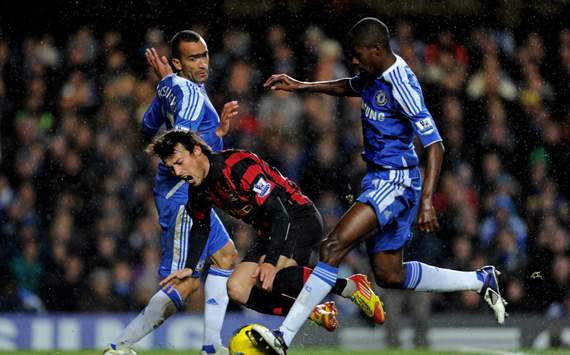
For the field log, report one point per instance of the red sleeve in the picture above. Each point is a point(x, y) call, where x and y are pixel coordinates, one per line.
point(257, 183)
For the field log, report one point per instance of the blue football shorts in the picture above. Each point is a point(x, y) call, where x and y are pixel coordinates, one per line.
point(395, 197)
point(176, 223)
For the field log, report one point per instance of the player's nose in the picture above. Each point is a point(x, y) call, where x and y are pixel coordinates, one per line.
point(354, 61)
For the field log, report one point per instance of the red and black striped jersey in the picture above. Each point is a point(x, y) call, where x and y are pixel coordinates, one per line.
point(239, 182)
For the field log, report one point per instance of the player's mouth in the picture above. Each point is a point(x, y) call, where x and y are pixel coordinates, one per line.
point(188, 178)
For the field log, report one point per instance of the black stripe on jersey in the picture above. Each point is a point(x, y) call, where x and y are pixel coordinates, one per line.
point(238, 170)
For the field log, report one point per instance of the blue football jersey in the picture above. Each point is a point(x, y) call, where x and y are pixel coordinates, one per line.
point(182, 104)
point(393, 113)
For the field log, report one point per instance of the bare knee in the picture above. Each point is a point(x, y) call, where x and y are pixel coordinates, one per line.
point(334, 249)
point(238, 290)
point(226, 257)
point(227, 260)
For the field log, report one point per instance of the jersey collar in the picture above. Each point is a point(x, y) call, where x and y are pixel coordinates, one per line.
point(217, 165)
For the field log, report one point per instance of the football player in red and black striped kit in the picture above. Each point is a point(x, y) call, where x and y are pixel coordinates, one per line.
point(287, 224)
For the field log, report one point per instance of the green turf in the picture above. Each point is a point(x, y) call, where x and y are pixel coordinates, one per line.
point(306, 351)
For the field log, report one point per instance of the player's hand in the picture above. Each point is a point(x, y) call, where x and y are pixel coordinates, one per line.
point(175, 278)
point(283, 82)
point(427, 218)
point(159, 65)
point(266, 273)
point(230, 111)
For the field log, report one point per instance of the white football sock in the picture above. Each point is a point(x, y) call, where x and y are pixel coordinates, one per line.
point(423, 277)
point(316, 288)
point(159, 308)
point(215, 304)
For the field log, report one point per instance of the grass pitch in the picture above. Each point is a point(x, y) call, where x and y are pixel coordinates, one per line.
point(312, 351)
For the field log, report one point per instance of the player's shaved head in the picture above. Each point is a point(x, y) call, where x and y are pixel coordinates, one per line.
point(183, 36)
point(369, 32)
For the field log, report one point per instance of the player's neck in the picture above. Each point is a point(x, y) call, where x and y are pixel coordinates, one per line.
point(388, 61)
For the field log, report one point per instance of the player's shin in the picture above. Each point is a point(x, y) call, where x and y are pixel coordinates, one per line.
point(215, 305)
point(423, 277)
point(316, 288)
point(158, 309)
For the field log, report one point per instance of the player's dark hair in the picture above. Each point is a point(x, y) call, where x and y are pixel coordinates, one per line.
point(183, 36)
point(369, 32)
point(163, 145)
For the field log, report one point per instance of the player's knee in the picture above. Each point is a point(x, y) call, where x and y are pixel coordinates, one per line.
point(227, 260)
point(333, 249)
point(237, 290)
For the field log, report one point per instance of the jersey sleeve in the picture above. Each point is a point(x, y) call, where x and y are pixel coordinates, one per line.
point(257, 184)
point(408, 94)
point(190, 107)
point(153, 119)
point(358, 82)
point(199, 210)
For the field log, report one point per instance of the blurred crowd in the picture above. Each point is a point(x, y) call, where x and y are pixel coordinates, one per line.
point(78, 226)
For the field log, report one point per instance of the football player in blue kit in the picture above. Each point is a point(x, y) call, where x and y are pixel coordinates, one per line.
point(392, 196)
point(182, 102)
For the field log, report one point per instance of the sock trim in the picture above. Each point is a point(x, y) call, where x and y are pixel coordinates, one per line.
point(326, 273)
point(413, 274)
point(173, 294)
point(219, 272)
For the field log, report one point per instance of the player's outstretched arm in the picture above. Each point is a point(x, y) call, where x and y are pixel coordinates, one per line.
point(427, 218)
point(339, 87)
point(229, 112)
point(159, 64)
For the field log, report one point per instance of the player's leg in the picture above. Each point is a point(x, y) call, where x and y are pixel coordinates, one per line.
point(350, 230)
point(244, 289)
point(174, 223)
point(396, 213)
point(221, 249)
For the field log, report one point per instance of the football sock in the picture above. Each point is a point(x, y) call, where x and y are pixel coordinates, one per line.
point(318, 285)
point(287, 285)
point(158, 309)
point(269, 303)
point(290, 281)
point(423, 277)
point(215, 304)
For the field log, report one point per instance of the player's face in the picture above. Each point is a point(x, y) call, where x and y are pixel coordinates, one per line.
point(193, 62)
point(190, 166)
point(365, 58)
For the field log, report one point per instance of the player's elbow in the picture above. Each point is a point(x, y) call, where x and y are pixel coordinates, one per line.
point(439, 146)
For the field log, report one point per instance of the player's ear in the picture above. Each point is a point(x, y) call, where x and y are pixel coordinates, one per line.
point(378, 50)
point(197, 150)
point(176, 63)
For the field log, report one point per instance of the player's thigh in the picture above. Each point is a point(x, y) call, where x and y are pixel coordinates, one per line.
point(355, 226)
point(241, 281)
point(225, 257)
point(305, 236)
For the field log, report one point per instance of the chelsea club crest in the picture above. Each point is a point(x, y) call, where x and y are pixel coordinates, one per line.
point(380, 98)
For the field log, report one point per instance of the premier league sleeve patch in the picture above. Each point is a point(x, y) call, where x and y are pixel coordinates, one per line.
point(261, 187)
point(424, 126)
